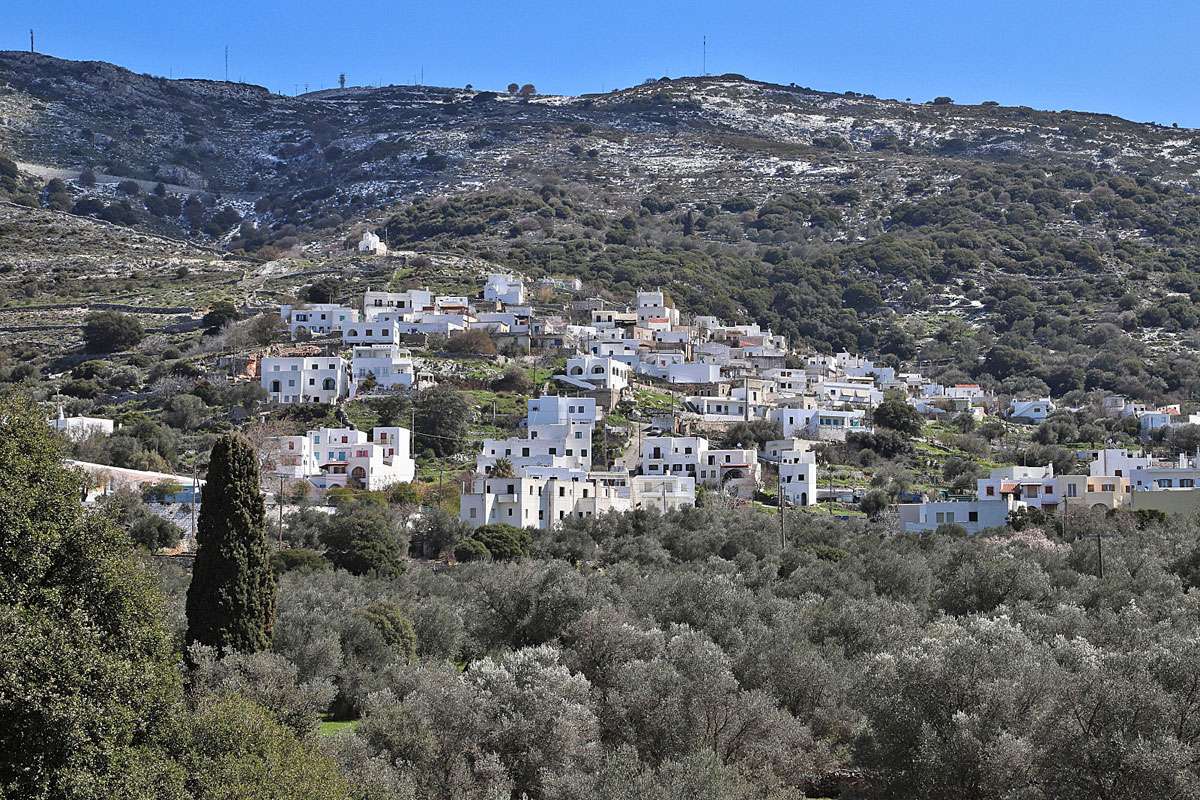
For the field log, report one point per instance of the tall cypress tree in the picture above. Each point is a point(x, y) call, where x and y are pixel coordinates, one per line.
point(231, 601)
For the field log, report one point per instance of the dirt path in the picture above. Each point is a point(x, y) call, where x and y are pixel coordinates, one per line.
point(43, 171)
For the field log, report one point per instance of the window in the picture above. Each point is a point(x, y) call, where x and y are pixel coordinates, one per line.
point(1186, 483)
point(972, 516)
point(990, 491)
point(1072, 490)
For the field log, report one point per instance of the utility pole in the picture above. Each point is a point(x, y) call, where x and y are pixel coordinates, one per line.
point(704, 57)
point(279, 500)
point(31, 40)
point(830, 498)
point(782, 529)
point(193, 505)
point(227, 63)
point(1100, 552)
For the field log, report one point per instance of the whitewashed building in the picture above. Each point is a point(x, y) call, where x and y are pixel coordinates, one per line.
point(332, 457)
point(305, 379)
point(558, 435)
point(973, 515)
point(826, 425)
point(1033, 411)
point(391, 367)
point(79, 428)
point(798, 476)
point(601, 372)
point(317, 319)
point(371, 244)
point(545, 499)
point(691, 456)
point(506, 289)
point(406, 302)
point(652, 308)
point(371, 332)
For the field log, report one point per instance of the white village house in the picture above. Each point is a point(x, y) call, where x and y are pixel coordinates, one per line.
point(371, 244)
point(305, 379)
point(329, 457)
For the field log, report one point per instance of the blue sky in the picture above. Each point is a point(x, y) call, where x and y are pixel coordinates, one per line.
point(1135, 58)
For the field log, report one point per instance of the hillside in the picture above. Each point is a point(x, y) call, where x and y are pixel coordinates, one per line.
point(927, 231)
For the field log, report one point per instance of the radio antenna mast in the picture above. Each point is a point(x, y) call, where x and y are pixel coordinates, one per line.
point(704, 57)
point(31, 40)
point(227, 63)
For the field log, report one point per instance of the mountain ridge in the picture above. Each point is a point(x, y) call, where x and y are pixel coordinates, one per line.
point(840, 220)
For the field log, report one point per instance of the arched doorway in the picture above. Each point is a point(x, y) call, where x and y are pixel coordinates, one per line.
point(358, 478)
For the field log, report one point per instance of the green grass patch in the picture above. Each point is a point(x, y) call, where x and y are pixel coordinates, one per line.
point(330, 727)
point(652, 400)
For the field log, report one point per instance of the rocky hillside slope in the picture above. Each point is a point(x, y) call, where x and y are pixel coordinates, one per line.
point(929, 230)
